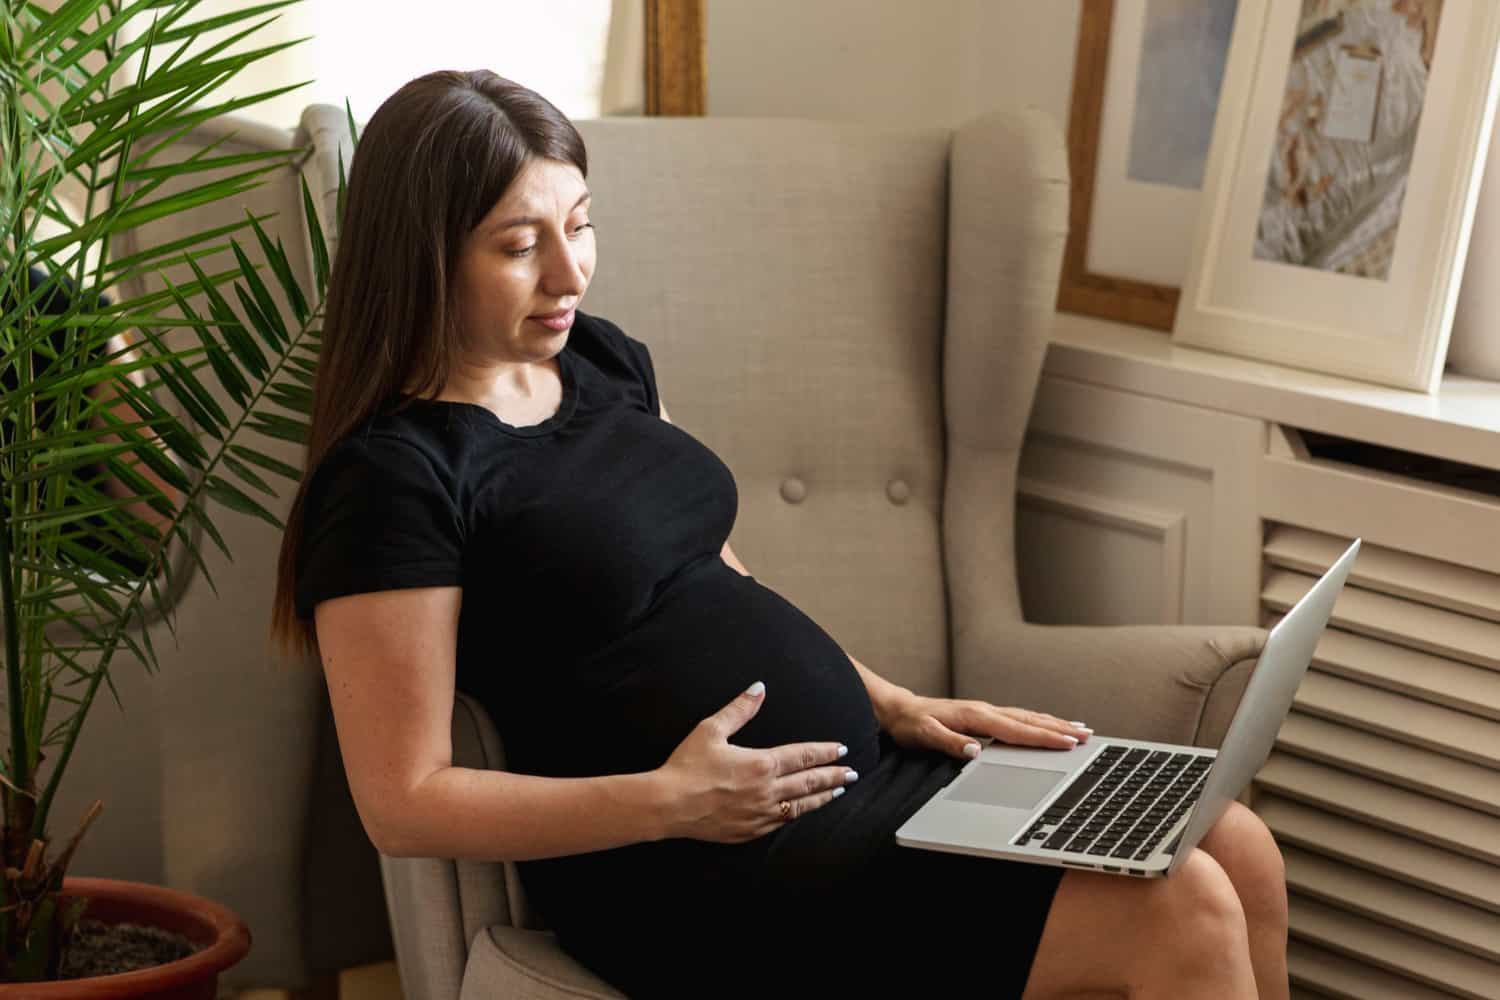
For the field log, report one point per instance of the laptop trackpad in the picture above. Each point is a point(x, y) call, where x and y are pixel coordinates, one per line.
point(1006, 786)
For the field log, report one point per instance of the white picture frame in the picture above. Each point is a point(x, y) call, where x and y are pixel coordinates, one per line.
point(1389, 326)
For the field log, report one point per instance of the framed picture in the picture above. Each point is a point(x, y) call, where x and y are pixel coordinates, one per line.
point(1145, 85)
point(675, 83)
point(1341, 185)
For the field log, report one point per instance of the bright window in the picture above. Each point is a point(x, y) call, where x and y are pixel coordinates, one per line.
point(555, 48)
point(364, 51)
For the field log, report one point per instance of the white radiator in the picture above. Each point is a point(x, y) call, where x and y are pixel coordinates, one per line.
point(1384, 787)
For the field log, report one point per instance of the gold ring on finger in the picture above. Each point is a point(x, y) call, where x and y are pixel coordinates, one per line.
point(786, 809)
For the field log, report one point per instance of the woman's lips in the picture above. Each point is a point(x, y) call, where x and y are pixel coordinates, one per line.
point(559, 324)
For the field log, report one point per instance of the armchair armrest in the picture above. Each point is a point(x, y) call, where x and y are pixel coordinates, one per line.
point(1175, 684)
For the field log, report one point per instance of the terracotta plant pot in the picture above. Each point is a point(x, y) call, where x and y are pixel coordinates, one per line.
point(217, 930)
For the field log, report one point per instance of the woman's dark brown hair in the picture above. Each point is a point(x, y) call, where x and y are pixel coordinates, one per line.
point(429, 165)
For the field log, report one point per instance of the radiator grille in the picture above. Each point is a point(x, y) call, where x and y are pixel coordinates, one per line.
point(1384, 786)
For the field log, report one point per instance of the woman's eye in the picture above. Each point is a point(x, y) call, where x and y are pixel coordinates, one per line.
point(524, 251)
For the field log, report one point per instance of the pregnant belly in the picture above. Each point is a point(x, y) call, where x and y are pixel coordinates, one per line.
point(711, 635)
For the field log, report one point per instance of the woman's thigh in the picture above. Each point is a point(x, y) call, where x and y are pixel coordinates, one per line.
point(1111, 934)
point(908, 919)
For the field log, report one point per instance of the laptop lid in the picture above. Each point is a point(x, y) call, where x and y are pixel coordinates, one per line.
point(1267, 700)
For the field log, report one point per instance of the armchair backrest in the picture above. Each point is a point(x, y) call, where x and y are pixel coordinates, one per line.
point(854, 319)
point(788, 278)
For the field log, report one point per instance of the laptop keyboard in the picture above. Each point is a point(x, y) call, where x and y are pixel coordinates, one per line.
point(1122, 804)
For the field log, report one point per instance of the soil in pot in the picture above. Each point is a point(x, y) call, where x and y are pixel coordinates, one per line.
point(101, 949)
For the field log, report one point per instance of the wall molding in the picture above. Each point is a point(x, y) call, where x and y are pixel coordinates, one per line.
point(1168, 529)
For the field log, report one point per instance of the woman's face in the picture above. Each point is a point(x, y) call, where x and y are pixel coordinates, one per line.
point(532, 254)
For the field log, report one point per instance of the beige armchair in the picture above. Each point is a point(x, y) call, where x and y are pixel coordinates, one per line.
point(854, 319)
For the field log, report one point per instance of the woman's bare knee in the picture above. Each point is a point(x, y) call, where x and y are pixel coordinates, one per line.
point(1204, 911)
point(1135, 936)
point(1243, 846)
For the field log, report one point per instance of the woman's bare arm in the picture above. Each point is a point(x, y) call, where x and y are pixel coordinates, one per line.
point(484, 815)
point(389, 659)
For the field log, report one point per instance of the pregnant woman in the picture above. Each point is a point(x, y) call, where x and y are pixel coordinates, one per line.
point(702, 788)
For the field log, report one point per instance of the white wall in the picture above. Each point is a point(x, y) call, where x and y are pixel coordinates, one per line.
point(906, 62)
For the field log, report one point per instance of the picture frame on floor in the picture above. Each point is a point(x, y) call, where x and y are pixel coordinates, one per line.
point(1341, 183)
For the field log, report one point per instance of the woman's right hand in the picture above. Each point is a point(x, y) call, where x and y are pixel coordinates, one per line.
point(731, 794)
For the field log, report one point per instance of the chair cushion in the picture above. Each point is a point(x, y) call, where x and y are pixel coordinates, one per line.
point(527, 965)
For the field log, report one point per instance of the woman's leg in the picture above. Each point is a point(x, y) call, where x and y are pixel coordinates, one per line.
point(1243, 847)
point(1182, 937)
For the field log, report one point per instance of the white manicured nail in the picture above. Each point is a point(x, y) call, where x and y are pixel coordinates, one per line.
point(843, 750)
point(1071, 739)
point(755, 690)
point(971, 750)
point(837, 792)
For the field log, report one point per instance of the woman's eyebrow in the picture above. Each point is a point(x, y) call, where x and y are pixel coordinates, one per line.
point(528, 220)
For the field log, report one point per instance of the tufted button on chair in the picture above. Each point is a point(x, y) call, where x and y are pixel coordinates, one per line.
point(841, 299)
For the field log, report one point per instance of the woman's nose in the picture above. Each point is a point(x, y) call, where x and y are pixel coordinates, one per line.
point(564, 274)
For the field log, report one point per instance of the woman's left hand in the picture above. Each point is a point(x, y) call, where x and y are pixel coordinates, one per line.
point(954, 727)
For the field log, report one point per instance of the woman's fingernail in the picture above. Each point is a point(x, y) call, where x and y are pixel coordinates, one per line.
point(850, 776)
point(755, 690)
point(843, 750)
point(971, 750)
point(1071, 739)
point(837, 792)
point(1080, 725)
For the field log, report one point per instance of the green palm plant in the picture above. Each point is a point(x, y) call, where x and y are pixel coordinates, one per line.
point(93, 497)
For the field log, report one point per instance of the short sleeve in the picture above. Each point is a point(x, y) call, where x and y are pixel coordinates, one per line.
point(377, 517)
point(640, 360)
point(642, 357)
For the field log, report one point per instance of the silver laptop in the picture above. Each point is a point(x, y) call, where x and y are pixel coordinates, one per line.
point(1125, 806)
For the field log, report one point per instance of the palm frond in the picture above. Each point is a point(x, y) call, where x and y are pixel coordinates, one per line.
point(319, 242)
point(146, 259)
point(232, 364)
point(267, 462)
point(275, 255)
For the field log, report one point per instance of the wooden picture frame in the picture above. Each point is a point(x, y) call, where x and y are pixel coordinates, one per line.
point(1080, 290)
point(1146, 82)
point(674, 58)
point(1369, 291)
